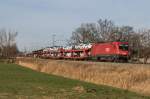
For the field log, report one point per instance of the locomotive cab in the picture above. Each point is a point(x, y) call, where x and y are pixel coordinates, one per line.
point(123, 51)
point(123, 48)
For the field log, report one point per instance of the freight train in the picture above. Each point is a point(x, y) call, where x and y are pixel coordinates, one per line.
point(108, 51)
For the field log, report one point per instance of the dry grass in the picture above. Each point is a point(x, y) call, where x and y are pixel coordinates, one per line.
point(134, 77)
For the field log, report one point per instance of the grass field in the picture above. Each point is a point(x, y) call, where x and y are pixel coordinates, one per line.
point(133, 77)
point(17, 82)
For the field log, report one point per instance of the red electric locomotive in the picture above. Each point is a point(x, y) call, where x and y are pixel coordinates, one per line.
point(110, 51)
point(113, 51)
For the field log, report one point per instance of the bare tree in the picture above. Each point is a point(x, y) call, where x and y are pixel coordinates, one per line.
point(86, 33)
point(140, 44)
point(105, 29)
point(145, 45)
point(8, 47)
point(92, 32)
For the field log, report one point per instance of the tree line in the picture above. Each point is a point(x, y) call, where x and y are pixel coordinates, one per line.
point(106, 31)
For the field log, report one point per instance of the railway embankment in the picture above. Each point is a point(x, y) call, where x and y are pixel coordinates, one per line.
point(133, 77)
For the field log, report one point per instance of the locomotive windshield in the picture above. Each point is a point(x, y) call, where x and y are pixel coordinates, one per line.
point(123, 47)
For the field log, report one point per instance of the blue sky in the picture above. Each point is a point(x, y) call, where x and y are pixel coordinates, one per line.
point(37, 20)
